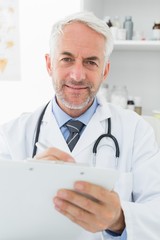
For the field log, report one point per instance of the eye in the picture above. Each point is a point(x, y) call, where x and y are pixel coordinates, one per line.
point(67, 59)
point(91, 63)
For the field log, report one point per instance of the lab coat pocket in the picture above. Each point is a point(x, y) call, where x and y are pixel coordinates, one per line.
point(124, 186)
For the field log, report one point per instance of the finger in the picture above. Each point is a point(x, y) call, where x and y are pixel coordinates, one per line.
point(48, 158)
point(109, 199)
point(80, 216)
point(87, 209)
point(85, 202)
point(86, 225)
point(98, 214)
point(55, 154)
point(96, 191)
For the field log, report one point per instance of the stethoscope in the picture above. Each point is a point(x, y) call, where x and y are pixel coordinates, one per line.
point(95, 147)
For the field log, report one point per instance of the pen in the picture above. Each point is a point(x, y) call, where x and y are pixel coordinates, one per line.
point(41, 146)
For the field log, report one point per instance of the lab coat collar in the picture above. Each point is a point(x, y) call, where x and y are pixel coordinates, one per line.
point(51, 133)
point(95, 127)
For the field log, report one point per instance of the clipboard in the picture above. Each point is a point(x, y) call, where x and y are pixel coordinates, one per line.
point(27, 189)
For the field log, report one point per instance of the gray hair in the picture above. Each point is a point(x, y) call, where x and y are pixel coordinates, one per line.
point(90, 20)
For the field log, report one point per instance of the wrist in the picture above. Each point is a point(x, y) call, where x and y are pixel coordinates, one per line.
point(118, 226)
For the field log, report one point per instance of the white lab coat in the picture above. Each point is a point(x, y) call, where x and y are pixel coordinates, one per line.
point(139, 162)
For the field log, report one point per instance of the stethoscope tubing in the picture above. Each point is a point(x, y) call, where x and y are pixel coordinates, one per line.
point(38, 130)
point(95, 147)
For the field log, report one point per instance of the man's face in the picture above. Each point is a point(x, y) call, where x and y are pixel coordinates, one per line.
point(77, 69)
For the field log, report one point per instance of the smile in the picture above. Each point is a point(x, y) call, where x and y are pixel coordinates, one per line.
point(73, 87)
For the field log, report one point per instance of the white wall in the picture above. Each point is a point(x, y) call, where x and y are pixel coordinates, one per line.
point(34, 89)
point(138, 70)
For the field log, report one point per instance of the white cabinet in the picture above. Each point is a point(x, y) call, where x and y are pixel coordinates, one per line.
point(135, 64)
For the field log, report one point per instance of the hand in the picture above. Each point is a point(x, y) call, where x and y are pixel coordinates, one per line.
point(53, 153)
point(92, 207)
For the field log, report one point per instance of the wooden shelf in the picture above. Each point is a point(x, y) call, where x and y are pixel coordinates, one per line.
point(137, 45)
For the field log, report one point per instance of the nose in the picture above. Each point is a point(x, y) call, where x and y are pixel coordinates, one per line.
point(78, 72)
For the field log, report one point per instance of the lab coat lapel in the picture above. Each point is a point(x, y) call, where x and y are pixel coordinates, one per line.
point(94, 129)
point(51, 134)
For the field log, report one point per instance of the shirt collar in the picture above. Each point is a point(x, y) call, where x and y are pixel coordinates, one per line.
point(62, 117)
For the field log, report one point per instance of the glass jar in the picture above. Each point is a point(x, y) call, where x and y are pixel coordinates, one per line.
point(138, 105)
point(156, 31)
point(104, 90)
point(130, 103)
point(119, 96)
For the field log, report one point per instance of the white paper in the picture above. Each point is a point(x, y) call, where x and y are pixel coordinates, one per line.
point(27, 189)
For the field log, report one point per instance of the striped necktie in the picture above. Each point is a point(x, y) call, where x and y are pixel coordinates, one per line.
point(74, 127)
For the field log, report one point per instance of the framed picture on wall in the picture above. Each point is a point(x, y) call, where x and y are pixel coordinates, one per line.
point(9, 41)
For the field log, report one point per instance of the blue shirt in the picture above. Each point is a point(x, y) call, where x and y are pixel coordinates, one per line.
point(124, 235)
point(62, 117)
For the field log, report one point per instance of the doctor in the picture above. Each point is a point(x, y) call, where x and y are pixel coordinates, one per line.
point(78, 63)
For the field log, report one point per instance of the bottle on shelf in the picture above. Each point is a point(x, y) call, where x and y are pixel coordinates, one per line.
point(138, 105)
point(113, 28)
point(128, 25)
point(118, 28)
point(107, 20)
point(116, 22)
point(156, 30)
point(156, 114)
point(130, 103)
point(104, 90)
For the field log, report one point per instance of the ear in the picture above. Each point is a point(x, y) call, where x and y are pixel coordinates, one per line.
point(48, 64)
point(106, 71)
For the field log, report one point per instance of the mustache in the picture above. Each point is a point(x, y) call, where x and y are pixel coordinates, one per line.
point(79, 83)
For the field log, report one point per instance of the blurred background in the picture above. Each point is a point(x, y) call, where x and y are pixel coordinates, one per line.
point(32, 87)
point(135, 63)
